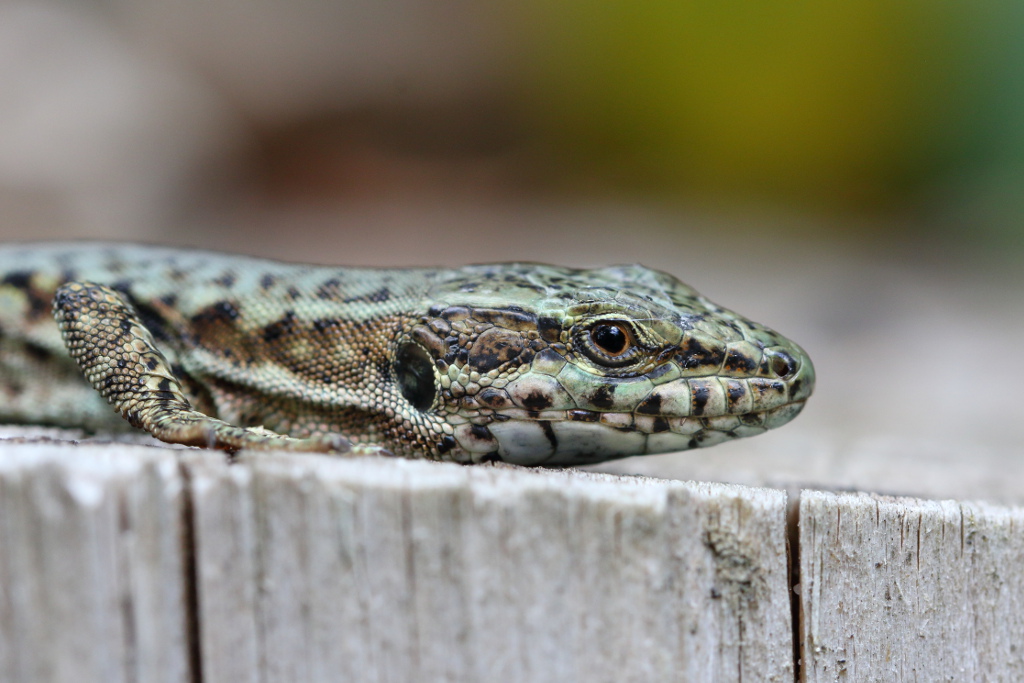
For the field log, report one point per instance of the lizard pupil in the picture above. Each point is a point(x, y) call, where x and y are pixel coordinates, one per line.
point(414, 372)
point(610, 338)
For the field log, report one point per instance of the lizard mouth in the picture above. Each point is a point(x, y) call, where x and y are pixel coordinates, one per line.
point(579, 437)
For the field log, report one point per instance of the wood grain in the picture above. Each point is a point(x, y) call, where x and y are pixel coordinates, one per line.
point(910, 590)
point(306, 568)
point(380, 570)
point(93, 565)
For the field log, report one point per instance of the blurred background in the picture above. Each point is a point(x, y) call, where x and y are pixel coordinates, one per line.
point(848, 173)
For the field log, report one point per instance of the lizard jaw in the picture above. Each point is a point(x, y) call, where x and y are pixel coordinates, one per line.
point(575, 437)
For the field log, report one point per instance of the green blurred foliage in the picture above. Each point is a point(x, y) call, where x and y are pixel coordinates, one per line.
point(862, 105)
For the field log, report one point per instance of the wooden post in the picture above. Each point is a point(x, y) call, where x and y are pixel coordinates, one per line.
point(138, 563)
point(134, 563)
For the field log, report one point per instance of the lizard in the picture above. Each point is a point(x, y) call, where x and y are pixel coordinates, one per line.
point(519, 362)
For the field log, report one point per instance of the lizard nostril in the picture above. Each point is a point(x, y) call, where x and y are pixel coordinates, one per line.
point(414, 372)
point(783, 364)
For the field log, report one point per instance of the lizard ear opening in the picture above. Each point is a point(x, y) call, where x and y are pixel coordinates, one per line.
point(414, 372)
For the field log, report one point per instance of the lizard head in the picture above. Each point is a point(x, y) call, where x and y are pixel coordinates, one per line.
point(536, 364)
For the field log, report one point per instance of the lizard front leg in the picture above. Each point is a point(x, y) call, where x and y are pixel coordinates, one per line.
point(116, 352)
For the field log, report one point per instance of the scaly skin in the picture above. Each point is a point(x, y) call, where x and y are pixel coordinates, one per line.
point(522, 362)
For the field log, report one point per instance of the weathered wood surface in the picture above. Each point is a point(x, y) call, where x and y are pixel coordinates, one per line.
point(908, 590)
point(92, 565)
point(394, 570)
point(136, 563)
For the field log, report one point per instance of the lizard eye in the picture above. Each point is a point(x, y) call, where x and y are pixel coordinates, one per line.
point(611, 338)
point(610, 343)
point(414, 372)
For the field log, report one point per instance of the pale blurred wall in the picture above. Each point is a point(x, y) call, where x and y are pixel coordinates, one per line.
point(97, 137)
point(122, 117)
point(136, 117)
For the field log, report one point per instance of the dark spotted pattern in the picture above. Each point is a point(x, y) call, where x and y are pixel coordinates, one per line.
point(495, 348)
